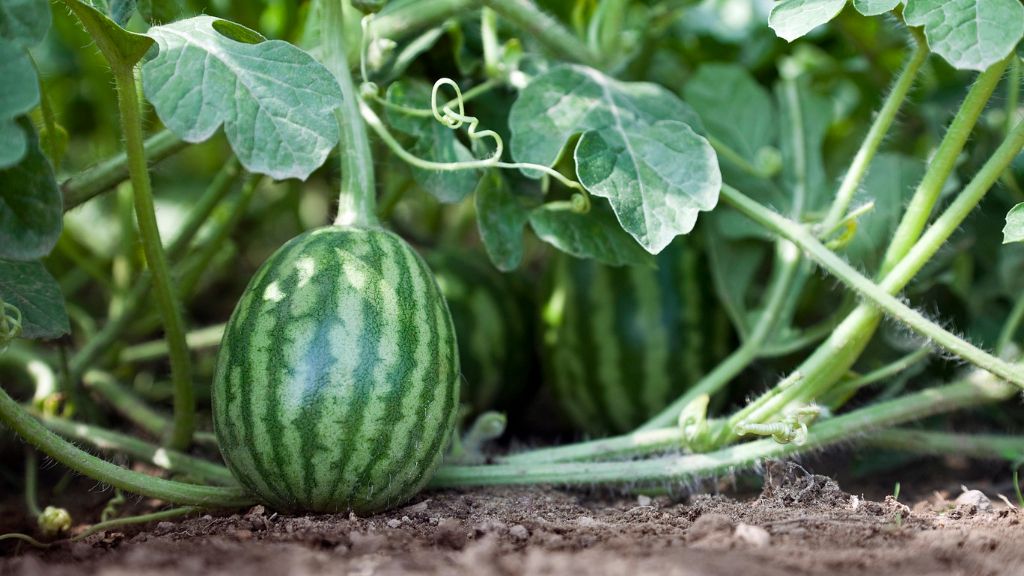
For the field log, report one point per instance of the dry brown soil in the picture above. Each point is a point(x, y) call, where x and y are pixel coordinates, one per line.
point(799, 524)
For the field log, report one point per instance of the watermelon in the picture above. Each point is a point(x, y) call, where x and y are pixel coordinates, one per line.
point(337, 380)
point(492, 320)
point(621, 343)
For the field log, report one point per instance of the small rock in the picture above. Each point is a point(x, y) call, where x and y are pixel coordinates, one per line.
point(974, 499)
point(586, 521)
point(708, 525)
point(519, 532)
point(450, 533)
point(164, 527)
point(753, 536)
point(256, 511)
point(406, 519)
point(491, 526)
point(643, 500)
point(393, 523)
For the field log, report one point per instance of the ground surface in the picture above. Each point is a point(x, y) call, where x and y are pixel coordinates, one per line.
point(799, 524)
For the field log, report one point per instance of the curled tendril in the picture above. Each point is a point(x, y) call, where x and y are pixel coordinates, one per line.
point(791, 428)
point(10, 324)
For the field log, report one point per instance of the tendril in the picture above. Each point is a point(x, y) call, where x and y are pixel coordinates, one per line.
point(453, 115)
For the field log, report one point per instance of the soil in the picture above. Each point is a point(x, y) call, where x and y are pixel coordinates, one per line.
point(799, 523)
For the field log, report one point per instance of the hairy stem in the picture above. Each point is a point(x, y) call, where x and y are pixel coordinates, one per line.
point(979, 389)
point(30, 429)
point(981, 446)
point(167, 301)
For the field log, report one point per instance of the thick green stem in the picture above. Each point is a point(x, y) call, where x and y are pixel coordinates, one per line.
point(115, 442)
point(876, 134)
point(978, 389)
point(548, 31)
point(60, 450)
point(941, 166)
point(167, 301)
point(981, 446)
point(880, 296)
point(357, 203)
point(86, 185)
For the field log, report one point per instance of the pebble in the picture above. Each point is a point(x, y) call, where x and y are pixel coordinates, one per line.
point(519, 532)
point(975, 498)
point(753, 536)
point(393, 523)
point(643, 500)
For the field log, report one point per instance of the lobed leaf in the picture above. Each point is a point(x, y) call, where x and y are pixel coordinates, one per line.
point(30, 287)
point(501, 219)
point(875, 7)
point(31, 205)
point(275, 101)
point(431, 141)
point(592, 235)
point(792, 19)
point(638, 147)
point(969, 34)
point(1014, 230)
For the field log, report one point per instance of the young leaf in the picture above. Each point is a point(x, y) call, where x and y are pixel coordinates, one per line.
point(432, 141)
point(592, 235)
point(1014, 230)
point(31, 206)
point(791, 19)
point(23, 23)
point(657, 177)
point(30, 288)
point(875, 7)
point(275, 101)
point(969, 34)
point(735, 109)
point(501, 219)
point(119, 46)
point(638, 148)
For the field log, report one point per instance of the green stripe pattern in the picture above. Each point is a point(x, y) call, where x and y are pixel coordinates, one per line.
point(620, 343)
point(491, 319)
point(337, 381)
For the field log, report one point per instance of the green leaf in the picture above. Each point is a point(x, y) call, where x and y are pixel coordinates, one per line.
point(275, 101)
point(875, 7)
point(501, 219)
point(568, 100)
point(889, 184)
point(791, 19)
point(24, 23)
point(1014, 230)
point(431, 141)
point(19, 96)
point(119, 46)
point(657, 177)
point(735, 109)
point(592, 235)
point(31, 206)
point(30, 288)
point(638, 148)
point(969, 34)
point(161, 11)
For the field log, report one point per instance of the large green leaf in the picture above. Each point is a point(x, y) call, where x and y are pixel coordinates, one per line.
point(969, 34)
point(31, 289)
point(637, 148)
point(875, 7)
point(31, 206)
point(23, 23)
point(431, 141)
point(1014, 230)
point(791, 19)
point(735, 109)
point(592, 235)
point(501, 219)
point(275, 101)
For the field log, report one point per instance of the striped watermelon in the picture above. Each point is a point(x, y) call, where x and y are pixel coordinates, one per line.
point(337, 379)
point(492, 321)
point(619, 342)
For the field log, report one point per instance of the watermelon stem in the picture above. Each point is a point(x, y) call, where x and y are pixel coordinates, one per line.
point(357, 201)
